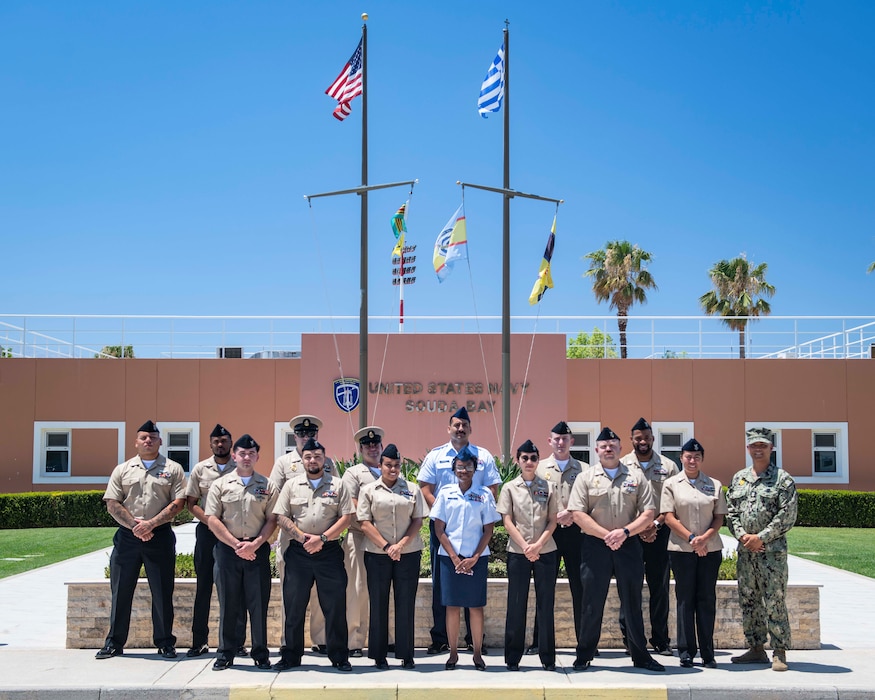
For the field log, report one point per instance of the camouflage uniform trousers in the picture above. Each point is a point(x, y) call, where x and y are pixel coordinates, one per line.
point(762, 595)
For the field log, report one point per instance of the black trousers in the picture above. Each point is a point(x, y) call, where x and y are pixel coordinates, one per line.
point(205, 542)
point(657, 574)
point(695, 587)
point(567, 541)
point(403, 577)
point(438, 609)
point(326, 570)
point(242, 586)
point(597, 564)
point(158, 555)
point(519, 572)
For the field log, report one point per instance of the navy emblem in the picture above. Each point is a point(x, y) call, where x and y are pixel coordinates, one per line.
point(347, 393)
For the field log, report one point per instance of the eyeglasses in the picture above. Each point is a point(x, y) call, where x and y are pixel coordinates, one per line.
point(461, 467)
point(368, 442)
point(306, 432)
point(528, 458)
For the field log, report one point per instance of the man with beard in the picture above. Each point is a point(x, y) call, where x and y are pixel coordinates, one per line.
point(654, 539)
point(314, 509)
point(203, 474)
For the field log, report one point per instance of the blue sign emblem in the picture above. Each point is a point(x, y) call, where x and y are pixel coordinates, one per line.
point(347, 393)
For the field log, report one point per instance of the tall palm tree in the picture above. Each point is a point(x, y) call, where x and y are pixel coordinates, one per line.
point(621, 279)
point(738, 291)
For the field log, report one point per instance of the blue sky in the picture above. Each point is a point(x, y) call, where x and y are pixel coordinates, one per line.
point(154, 155)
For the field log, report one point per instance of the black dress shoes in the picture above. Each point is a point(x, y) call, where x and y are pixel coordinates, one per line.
point(197, 651)
point(108, 652)
point(549, 667)
point(319, 649)
point(167, 652)
point(686, 662)
point(222, 664)
point(433, 649)
point(664, 650)
point(263, 664)
point(342, 665)
point(408, 664)
point(285, 665)
point(355, 653)
point(581, 665)
point(710, 664)
point(381, 664)
point(513, 667)
point(532, 650)
point(242, 651)
point(651, 665)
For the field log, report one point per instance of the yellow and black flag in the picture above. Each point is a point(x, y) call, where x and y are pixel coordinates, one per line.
point(545, 279)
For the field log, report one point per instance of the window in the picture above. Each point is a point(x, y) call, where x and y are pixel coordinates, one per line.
point(291, 444)
point(283, 438)
point(179, 449)
point(57, 452)
point(584, 441)
point(815, 453)
point(668, 438)
point(67, 452)
point(179, 442)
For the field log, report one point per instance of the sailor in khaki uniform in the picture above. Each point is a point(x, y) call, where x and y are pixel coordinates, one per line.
point(288, 466)
point(560, 470)
point(202, 476)
point(240, 509)
point(314, 509)
point(528, 505)
point(390, 512)
point(611, 503)
point(370, 441)
point(654, 540)
point(143, 495)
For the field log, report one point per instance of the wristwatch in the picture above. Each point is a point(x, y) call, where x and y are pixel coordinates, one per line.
point(692, 537)
point(323, 538)
point(626, 532)
point(386, 546)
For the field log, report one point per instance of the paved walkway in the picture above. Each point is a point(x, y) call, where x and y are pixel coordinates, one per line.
point(35, 663)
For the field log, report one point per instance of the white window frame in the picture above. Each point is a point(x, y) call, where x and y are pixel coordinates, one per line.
point(193, 428)
point(40, 428)
point(590, 428)
point(280, 431)
point(840, 476)
point(685, 428)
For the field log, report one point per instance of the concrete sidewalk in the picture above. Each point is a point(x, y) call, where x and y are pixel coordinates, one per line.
point(35, 663)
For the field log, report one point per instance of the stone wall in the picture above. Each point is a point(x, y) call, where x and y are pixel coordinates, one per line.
point(88, 606)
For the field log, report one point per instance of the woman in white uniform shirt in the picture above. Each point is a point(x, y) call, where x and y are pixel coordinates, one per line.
point(464, 517)
point(694, 506)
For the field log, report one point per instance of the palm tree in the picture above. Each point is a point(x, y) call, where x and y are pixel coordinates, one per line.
point(620, 278)
point(738, 291)
point(871, 268)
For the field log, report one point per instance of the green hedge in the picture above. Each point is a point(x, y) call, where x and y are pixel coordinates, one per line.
point(59, 509)
point(836, 508)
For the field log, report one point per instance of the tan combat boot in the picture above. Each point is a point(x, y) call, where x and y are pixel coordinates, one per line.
point(754, 655)
point(779, 660)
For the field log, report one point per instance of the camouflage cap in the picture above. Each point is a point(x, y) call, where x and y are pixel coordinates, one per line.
point(755, 435)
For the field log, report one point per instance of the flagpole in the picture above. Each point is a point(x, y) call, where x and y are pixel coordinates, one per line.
point(505, 269)
point(363, 313)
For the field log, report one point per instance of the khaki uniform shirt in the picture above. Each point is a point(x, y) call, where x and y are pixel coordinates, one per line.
point(290, 465)
point(314, 510)
point(391, 510)
point(529, 507)
point(145, 493)
point(202, 476)
point(563, 482)
point(242, 509)
point(658, 470)
point(354, 479)
point(695, 505)
point(612, 503)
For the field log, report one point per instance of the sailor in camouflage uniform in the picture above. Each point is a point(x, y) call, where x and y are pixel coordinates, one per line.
point(762, 508)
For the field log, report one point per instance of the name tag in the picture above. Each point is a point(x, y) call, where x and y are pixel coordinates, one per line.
point(708, 489)
point(407, 494)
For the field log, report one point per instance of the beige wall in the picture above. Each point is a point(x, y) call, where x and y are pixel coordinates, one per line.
point(420, 377)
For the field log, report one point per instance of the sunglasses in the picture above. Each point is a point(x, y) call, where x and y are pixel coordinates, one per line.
point(528, 458)
point(300, 432)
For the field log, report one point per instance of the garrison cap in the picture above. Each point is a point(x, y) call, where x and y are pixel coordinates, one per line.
point(693, 445)
point(462, 414)
point(305, 422)
point(148, 427)
point(529, 447)
point(561, 428)
point(220, 431)
point(390, 452)
point(755, 435)
point(246, 442)
point(466, 454)
point(607, 434)
point(312, 444)
point(369, 435)
point(641, 425)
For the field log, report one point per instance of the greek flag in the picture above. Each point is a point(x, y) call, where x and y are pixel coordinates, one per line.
point(492, 90)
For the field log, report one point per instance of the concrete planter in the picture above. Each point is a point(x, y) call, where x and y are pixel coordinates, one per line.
point(88, 606)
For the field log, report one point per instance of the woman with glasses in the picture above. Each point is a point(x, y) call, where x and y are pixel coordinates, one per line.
point(694, 506)
point(390, 511)
point(464, 516)
point(529, 505)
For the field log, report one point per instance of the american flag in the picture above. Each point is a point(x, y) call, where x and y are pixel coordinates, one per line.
point(348, 85)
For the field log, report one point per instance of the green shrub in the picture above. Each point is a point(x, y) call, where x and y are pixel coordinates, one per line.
point(836, 508)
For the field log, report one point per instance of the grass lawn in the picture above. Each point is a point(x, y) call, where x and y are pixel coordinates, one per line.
point(23, 550)
point(848, 548)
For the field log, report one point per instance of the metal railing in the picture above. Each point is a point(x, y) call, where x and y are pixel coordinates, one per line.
point(88, 336)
